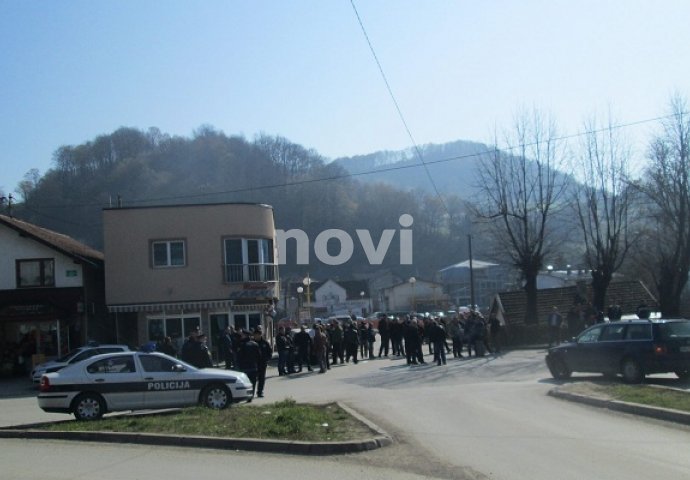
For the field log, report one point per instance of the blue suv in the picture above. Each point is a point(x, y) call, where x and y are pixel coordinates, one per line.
point(632, 349)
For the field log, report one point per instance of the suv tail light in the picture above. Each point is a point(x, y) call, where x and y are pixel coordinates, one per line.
point(44, 386)
point(660, 350)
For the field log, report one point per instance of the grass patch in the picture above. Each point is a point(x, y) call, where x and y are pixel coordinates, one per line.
point(284, 420)
point(653, 396)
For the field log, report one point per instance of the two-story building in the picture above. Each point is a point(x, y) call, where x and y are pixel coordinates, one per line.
point(51, 294)
point(174, 269)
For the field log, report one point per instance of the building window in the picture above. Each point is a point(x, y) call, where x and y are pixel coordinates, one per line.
point(169, 253)
point(175, 327)
point(249, 260)
point(39, 272)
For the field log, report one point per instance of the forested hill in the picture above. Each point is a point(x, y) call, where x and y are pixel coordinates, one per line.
point(451, 165)
point(152, 168)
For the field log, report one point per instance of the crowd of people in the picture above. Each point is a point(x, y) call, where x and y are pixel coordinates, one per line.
point(324, 344)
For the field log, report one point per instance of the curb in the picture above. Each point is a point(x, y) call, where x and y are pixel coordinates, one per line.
point(666, 414)
point(380, 439)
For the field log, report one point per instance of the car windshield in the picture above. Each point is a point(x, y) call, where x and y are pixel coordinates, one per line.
point(675, 329)
point(66, 357)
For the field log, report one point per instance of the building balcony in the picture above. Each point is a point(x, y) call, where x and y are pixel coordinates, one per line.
point(252, 272)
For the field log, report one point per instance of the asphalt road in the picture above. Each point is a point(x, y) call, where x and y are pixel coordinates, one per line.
point(484, 417)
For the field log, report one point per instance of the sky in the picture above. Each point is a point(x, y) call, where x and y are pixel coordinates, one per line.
point(304, 70)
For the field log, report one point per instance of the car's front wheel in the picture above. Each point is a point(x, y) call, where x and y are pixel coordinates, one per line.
point(559, 370)
point(631, 370)
point(88, 406)
point(216, 396)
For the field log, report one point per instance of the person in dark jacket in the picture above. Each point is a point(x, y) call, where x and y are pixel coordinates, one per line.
point(248, 358)
point(167, 347)
point(437, 336)
point(227, 351)
point(302, 342)
point(336, 340)
point(384, 333)
point(266, 355)
point(413, 343)
point(195, 352)
point(284, 347)
point(351, 342)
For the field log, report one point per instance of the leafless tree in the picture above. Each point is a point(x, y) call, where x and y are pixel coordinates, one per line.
point(519, 190)
point(667, 185)
point(602, 200)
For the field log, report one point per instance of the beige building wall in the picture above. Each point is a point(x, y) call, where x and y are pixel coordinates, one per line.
point(128, 233)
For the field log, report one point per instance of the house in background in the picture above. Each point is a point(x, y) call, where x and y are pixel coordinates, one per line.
point(415, 295)
point(342, 297)
point(488, 279)
point(51, 294)
point(174, 269)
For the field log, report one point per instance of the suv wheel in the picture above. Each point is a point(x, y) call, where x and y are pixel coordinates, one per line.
point(632, 371)
point(559, 370)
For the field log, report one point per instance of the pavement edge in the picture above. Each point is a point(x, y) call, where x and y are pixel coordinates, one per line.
point(666, 414)
point(380, 439)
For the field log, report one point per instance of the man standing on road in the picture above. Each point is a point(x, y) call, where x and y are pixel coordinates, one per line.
point(266, 355)
point(248, 358)
point(351, 341)
point(226, 348)
point(303, 345)
point(554, 321)
point(384, 333)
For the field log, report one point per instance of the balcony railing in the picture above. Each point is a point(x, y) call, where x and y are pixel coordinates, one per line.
point(252, 272)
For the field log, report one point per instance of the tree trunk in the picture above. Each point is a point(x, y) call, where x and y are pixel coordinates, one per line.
point(600, 285)
point(532, 312)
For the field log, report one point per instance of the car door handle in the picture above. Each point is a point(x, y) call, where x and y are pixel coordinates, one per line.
point(148, 378)
point(100, 380)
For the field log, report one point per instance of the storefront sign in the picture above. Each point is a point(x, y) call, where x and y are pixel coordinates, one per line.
point(247, 294)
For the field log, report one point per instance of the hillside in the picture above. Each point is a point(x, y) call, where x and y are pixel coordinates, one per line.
point(451, 165)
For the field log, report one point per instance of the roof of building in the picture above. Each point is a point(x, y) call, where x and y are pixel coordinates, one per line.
point(466, 264)
point(628, 294)
point(57, 241)
point(354, 288)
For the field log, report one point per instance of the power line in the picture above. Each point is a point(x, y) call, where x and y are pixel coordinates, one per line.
point(397, 108)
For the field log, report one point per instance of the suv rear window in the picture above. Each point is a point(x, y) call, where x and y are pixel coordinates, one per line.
point(639, 332)
point(673, 330)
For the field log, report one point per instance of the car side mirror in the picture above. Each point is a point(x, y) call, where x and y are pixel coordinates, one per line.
point(179, 368)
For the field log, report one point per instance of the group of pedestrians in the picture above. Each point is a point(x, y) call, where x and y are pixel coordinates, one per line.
point(329, 344)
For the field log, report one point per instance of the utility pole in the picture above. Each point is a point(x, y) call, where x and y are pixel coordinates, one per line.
point(469, 239)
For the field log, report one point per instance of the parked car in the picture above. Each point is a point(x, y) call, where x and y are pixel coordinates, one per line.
point(632, 349)
point(136, 381)
point(76, 355)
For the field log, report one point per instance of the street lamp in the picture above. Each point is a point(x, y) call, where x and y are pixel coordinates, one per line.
point(300, 290)
point(412, 281)
point(307, 282)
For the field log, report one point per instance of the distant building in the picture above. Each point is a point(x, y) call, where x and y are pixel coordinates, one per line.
point(174, 269)
point(418, 295)
point(342, 297)
point(489, 278)
point(51, 293)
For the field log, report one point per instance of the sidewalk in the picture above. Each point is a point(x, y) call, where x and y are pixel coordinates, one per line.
point(17, 387)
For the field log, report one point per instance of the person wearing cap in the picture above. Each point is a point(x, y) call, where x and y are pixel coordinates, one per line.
point(195, 351)
point(303, 344)
point(227, 349)
point(248, 358)
point(266, 355)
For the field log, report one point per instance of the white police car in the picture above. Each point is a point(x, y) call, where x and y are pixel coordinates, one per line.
point(74, 356)
point(137, 381)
